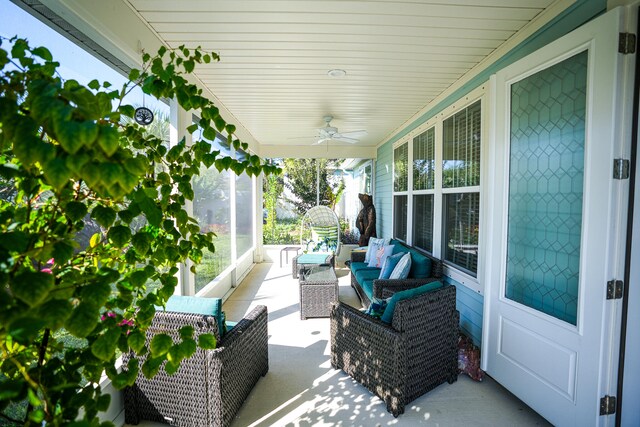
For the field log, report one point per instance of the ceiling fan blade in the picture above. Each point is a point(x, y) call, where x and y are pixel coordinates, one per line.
point(343, 138)
point(321, 140)
point(354, 133)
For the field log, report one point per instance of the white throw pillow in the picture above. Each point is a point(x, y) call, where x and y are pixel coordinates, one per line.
point(401, 271)
point(380, 255)
point(374, 245)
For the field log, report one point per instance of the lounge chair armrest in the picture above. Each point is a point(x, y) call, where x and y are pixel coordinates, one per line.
point(358, 256)
point(384, 288)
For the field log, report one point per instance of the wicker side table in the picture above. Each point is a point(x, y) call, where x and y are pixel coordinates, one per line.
point(318, 289)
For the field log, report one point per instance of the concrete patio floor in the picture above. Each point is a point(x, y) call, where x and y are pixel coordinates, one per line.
point(301, 388)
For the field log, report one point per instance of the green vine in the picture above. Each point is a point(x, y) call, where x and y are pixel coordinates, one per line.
point(70, 162)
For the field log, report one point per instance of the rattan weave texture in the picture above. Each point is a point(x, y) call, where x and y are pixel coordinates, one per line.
point(404, 360)
point(318, 289)
point(210, 387)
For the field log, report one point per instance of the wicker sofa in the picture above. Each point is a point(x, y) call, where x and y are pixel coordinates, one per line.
point(403, 360)
point(364, 279)
point(210, 387)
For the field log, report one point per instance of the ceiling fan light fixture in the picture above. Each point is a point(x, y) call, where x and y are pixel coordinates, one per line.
point(336, 73)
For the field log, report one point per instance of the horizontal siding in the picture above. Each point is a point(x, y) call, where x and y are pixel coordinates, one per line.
point(470, 306)
point(382, 199)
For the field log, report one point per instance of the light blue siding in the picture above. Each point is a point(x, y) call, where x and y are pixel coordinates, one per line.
point(470, 305)
point(383, 195)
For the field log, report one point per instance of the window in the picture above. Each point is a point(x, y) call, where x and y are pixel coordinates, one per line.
point(400, 186)
point(461, 171)
point(436, 188)
point(244, 213)
point(424, 162)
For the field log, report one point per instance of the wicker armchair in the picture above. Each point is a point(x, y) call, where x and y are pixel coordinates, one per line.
point(210, 387)
point(404, 360)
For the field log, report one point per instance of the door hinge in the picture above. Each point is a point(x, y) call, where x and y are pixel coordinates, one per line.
point(627, 43)
point(614, 289)
point(608, 405)
point(620, 168)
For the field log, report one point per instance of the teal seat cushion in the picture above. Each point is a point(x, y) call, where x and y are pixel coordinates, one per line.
point(313, 258)
point(369, 274)
point(387, 316)
point(357, 266)
point(367, 287)
point(198, 305)
point(420, 264)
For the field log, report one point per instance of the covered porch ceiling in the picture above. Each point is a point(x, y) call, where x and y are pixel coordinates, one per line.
point(400, 57)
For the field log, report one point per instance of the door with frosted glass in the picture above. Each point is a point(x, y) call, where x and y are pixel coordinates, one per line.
point(555, 238)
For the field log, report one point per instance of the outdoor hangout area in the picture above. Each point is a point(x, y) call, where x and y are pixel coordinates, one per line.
point(319, 213)
point(302, 387)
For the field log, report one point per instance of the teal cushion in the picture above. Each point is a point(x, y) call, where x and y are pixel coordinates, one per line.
point(313, 258)
point(420, 264)
point(229, 325)
point(197, 305)
point(369, 274)
point(367, 287)
point(402, 295)
point(357, 266)
point(389, 264)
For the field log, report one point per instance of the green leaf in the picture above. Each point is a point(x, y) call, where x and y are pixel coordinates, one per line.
point(62, 251)
point(219, 122)
point(55, 312)
point(104, 215)
point(104, 347)
point(75, 210)
point(108, 140)
point(74, 135)
point(186, 332)
point(31, 287)
point(119, 235)
point(83, 319)
point(94, 84)
point(188, 347)
point(57, 173)
point(25, 329)
point(134, 74)
point(95, 240)
point(136, 341)
point(230, 129)
point(43, 53)
point(141, 241)
point(151, 366)
point(127, 110)
point(103, 402)
point(207, 341)
point(151, 211)
point(160, 345)
point(192, 128)
point(11, 389)
point(96, 294)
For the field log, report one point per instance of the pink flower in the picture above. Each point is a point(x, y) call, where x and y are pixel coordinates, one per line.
point(127, 322)
point(47, 270)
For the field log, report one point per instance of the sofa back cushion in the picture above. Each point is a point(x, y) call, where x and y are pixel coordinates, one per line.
point(387, 316)
point(198, 305)
point(420, 264)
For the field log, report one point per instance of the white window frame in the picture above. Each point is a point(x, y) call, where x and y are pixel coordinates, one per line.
point(450, 270)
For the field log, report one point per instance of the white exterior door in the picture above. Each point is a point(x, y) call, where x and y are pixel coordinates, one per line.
point(556, 223)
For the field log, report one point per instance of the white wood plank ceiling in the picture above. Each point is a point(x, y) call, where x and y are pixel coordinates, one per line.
point(275, 56)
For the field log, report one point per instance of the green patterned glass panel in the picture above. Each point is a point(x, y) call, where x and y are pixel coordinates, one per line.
point(545, 188)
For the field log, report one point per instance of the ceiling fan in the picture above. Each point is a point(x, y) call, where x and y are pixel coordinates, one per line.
point(330, 133)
